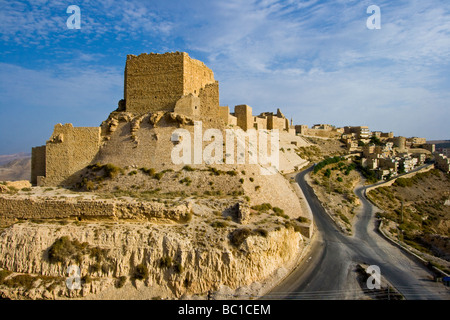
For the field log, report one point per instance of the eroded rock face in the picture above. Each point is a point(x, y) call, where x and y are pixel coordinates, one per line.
point(192, 264)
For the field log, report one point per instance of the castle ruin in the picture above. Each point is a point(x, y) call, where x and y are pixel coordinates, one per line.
point(160, 91)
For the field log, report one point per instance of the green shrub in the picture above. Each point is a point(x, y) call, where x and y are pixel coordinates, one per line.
point(278, 210)
point(165, 262)
point(111, 171)
point(238, 236)
point(26, 189)
point(251, 179)
point(219, 224)
point(186, 180)
point(64, 248)
point(214, 171)
point(149, 172)
point(132, 173)
point(261, 232)
point(178, 268)
point(262, 207)
point(20, 281)
point(188, 168)
point(86, 279)
point(303, 220)
point(96, 267)
point(292, 224)
point(121, 282)
point(3, 275)
point(140, 272)
point(158, 176)
point(403, 182)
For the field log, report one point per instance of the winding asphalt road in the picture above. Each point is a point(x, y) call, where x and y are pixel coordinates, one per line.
point(328, 272)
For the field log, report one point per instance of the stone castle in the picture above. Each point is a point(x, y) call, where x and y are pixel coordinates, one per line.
point(160, 91)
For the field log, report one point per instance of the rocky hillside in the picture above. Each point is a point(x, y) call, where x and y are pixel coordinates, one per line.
point(145, 260)
point(417, 211)
point(15, 167)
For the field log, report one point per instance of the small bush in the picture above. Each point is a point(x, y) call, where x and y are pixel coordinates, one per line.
point(64, 248)
point(86, 279)
point(186, 180)
point(238, 236)
point(188, 168)
point(214, 171)
point(178, 268)
point(251, 179)
point(132, 173)
point(292, 224)
point(261, 232)
point(111, 171)
point(303, 220)
point(165, 262)
point(3, 275)
point(121, 282)
point(141, 272)
point(278, 210)
point(158, 176)
point(262, 207)
point(25, 189)
point(219, 224)
point(149, 172)
point(403, 182)
point(22, 280)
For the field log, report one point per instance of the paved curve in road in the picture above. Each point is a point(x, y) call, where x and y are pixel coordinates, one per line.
point(328, 272)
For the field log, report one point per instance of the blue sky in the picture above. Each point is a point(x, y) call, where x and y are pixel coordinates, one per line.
point(316, 60)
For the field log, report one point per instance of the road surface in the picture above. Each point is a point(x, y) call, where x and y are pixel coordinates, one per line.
point(329, 271)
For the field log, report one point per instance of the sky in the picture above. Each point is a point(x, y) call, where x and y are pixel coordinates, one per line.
point(315, 60)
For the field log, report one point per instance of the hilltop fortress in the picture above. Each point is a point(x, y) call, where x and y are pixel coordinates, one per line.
point(161, 91)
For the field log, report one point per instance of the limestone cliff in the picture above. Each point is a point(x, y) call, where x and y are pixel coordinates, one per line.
point(179, 260)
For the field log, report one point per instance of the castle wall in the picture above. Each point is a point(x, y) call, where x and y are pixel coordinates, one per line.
point(34, 208)
point(153, 82)
point(224, 113)
point(196, 75)
point(209, 105)
point(232, 120)
point(37, 163)
point(244, 116)
point(274, 122)
point(261, 123)
point(188, 105)
point(69, 150)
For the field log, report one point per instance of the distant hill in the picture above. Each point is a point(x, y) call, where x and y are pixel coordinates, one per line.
point(15, 167)
point(4, 159)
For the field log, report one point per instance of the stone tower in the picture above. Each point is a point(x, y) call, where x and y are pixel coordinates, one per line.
point(155, 82)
